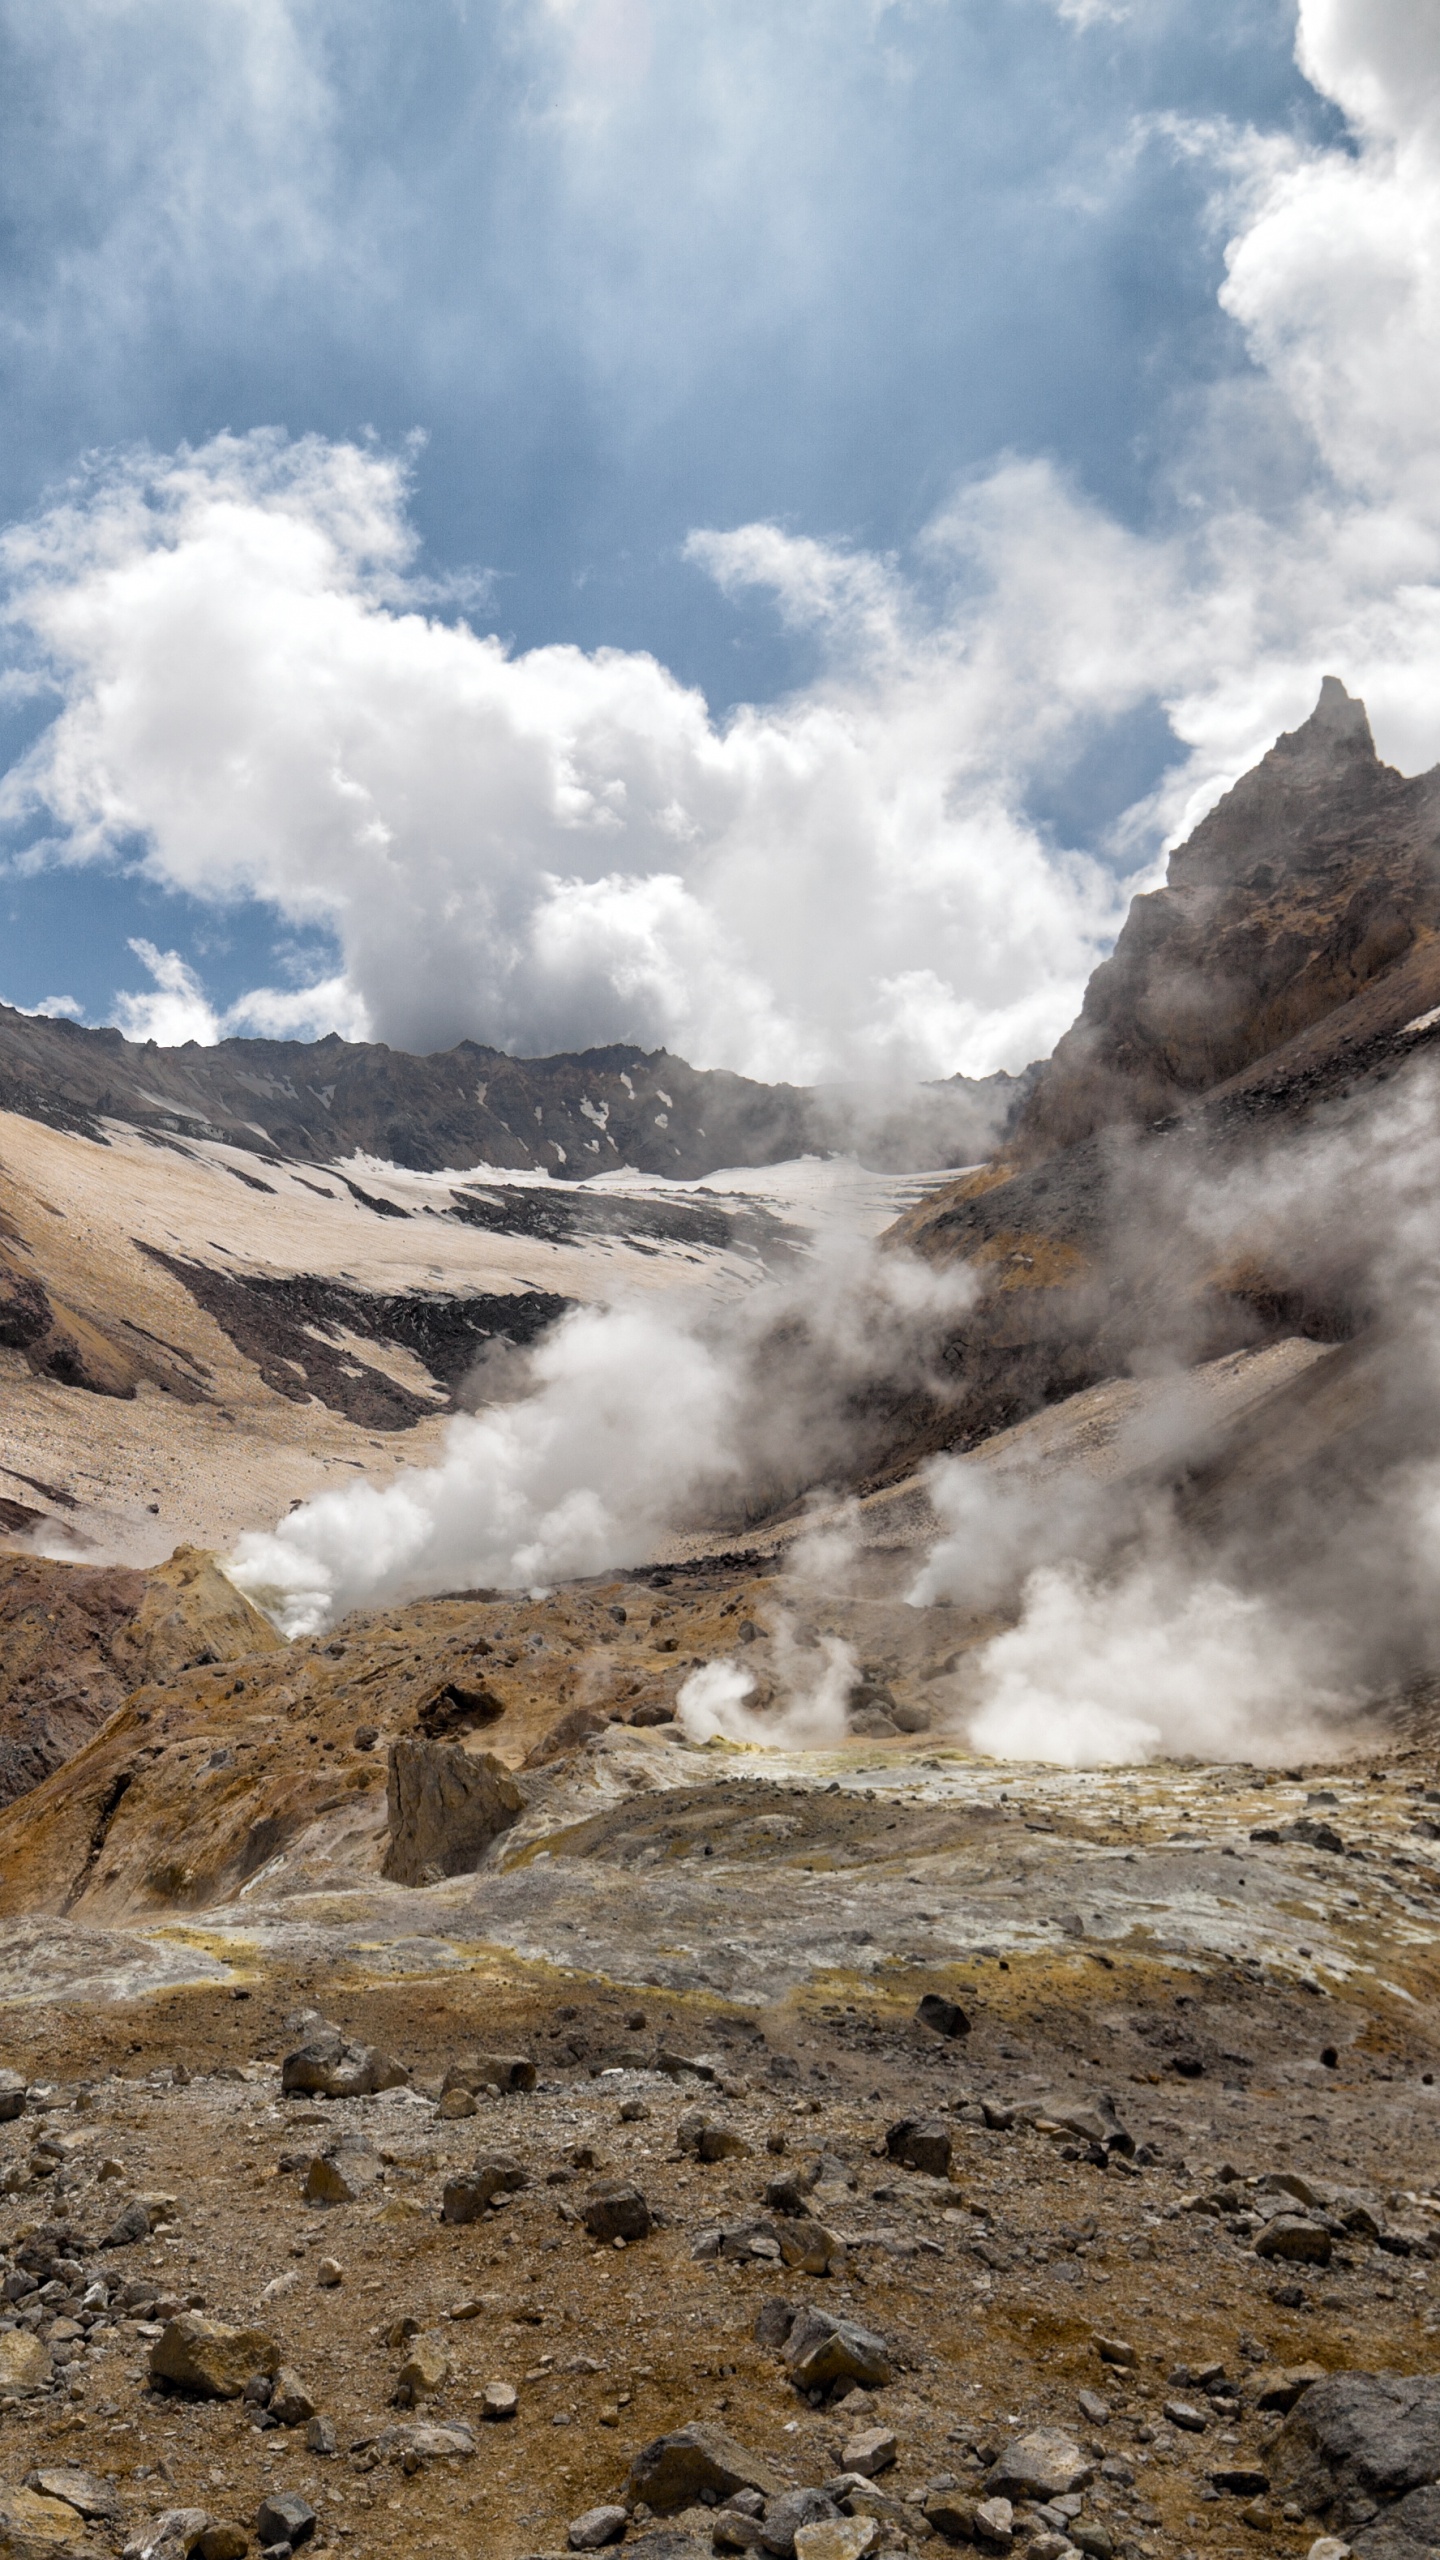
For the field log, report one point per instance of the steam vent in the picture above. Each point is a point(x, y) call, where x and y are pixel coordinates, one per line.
point(730, 1841)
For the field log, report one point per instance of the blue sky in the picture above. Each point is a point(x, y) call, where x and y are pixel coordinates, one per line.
point(603, 275)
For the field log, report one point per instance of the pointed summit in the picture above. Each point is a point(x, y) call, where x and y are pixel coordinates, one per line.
point(1339, 719)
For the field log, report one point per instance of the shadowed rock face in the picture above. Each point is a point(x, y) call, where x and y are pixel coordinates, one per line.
point(1315, 874)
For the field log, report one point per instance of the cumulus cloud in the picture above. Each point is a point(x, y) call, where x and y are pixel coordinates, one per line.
point(176, 1008)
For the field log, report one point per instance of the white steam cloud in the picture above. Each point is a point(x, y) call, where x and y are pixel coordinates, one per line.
point(640, 1418)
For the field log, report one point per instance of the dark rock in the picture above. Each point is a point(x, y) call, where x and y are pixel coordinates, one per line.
point(284, 2518)
point(944, 2017)
point(773, 2321)
point(1357, 2439)
point(128, 2227)
point(822, 2349)
point(445, 1805)
point(617, 2211)
point(785, 2515)
point(926, 2146)
point(1241, 2482)
point(465, 2197)
point(676, 2470)
point(1410, 2530)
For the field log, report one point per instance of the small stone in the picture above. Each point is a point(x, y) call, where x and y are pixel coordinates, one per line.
point(822, 2349)
point(926, 2146)
point(499, 2400)
point(634, 2111)
point(131, 2225)
point(676, 2470)
point(421, 2440)
point(285, 2518)
point(454, 2104)
point(995, 2521)
point(950, 2513)
point(1184, 2414)
point(787, 2515)
point(1329, 2547)
point(1045, 2463)
point(943, 2017)
point(223, 2541)
point(1092, 2537)
point(839, 2538)
point(209, 2359)
point(24, 2363)
point(1092, 2408)
point(321, 2437)
point(426, 2369)
point(329, 2273)
point(342, 2177)
point(616, 2211)
point(289, 2400)
point(870, 2452)
point(597, 2527)
point(1298, 2241)
point(466, 2197)
point(1117, 2351)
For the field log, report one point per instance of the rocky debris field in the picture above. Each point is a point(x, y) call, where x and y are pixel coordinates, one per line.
point(511, 2264)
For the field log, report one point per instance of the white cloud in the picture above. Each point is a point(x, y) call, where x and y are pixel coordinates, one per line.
point(177, 1009)
point(558, 847)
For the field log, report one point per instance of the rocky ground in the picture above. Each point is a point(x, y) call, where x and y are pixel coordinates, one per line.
point(1129, 1958)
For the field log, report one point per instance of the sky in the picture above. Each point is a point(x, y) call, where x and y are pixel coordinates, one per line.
point(684, 521)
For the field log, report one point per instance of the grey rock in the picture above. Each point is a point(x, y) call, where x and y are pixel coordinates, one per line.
point(677, 2469)
point(12, 2096)
point(822, 2349)
point(1093, 2120)
point(97, 2500)
point(128, 2227)
point(284, 2518)
point(928, 2145)
point(321, 2437)
point(466, 2196)
point(1045, 2463)
point(773, 2321)
point(1406, 2531)
point(420, 2440)
point(785, 2515)
point(597, 2527)
point(1358, 2439)
point(327, 2065)
point(616, 2211)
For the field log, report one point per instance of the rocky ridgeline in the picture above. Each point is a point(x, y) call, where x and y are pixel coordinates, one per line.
point(835, 2272)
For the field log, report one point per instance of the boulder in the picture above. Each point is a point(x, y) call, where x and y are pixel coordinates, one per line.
point(677, 2470)
point(446, 1805)
point(24, 2363)
point(926, 2146)
point(822, 2349)
point(12, 2096)
point(327, 2065)
point(507, 2072)
point(707, 2138)
point(1358, 2440)
point(37, 2528)
point(950, 2513)
point(130, 2225)
point(203, 2356)
point(223, 2540)
point(466, 2196)
point(616, 2210)
point(1044, 2464)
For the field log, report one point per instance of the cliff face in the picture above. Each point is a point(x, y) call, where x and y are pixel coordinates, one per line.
point(1309, 880)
